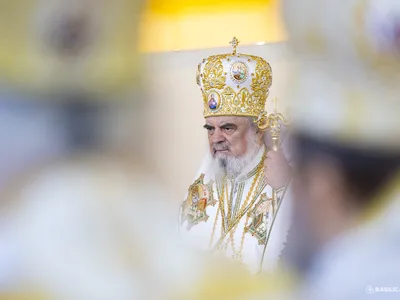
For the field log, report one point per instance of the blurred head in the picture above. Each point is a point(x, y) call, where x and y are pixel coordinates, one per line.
point(344, 101)
point(233, 141)
point(332, 186)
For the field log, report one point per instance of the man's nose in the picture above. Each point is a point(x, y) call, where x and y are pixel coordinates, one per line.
point(217, 136)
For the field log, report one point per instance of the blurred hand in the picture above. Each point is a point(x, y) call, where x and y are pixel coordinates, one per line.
point(276, 169)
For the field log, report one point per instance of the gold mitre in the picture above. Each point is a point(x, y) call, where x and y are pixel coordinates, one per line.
point(61, 45)
point(234, 84)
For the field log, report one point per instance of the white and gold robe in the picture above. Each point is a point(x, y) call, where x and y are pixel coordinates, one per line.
point(234, 216)
point(360, 263)
point(93, 227)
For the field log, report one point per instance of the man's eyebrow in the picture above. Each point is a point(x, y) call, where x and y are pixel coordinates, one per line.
point(226, 125)
point(208, 127)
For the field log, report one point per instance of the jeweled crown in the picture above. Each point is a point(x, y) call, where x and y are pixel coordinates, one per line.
point(234, 84)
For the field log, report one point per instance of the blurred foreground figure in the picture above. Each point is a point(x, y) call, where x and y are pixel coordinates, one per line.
point(231, 209)
point(346, 235)
point(80, 218)
point(62, 46)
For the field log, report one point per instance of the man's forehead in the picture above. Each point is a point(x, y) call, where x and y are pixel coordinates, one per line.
point(221, 120)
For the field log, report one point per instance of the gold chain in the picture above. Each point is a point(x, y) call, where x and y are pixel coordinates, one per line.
point(232, 233)
point(222, 205)
point(213, 230)
point(244, 210)
point(222, 210)
point(229, 203)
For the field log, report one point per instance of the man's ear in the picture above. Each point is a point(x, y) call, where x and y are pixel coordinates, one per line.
point(260, 136)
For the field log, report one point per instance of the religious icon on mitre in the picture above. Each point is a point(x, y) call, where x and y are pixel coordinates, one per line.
point(239, 72)
point(214, 101)
point(200, 196)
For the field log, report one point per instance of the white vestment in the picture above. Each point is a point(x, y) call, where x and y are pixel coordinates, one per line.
point(247, 200)
point(362, 263)
point(94, 228)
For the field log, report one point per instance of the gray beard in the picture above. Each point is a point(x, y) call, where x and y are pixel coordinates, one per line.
point(233, 166)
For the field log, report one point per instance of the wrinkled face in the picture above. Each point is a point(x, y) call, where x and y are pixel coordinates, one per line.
point(228, 136)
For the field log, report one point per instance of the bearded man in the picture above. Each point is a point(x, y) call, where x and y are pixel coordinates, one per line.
point(241, 205)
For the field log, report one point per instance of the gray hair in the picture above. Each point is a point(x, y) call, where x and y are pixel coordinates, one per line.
point(253, 124)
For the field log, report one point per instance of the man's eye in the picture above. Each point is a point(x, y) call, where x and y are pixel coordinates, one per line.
point(228, 129)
